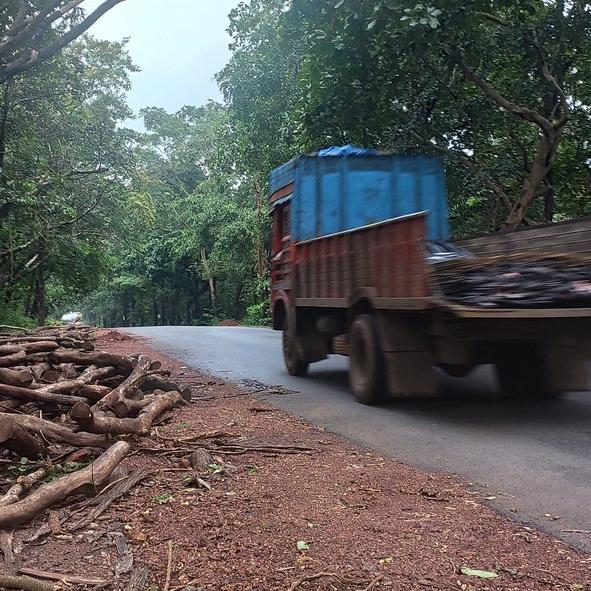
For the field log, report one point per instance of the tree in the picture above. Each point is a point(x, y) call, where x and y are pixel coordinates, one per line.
point(34, 31)
point(62, 190)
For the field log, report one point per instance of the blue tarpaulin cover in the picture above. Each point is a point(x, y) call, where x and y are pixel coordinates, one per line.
point(285, 174)
point(347, 150)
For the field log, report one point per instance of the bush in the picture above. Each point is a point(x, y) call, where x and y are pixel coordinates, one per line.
point(14, 318)
point(207, 319)
point(258, 314)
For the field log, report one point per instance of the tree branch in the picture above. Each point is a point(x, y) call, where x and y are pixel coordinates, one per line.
point(503, 102)
point(29, 57)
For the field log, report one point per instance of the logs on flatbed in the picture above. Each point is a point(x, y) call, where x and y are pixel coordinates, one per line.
point(59, 398)
point(515, 281)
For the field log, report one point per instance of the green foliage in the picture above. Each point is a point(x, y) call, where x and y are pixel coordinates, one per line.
point(170, 225)
point(258, 314)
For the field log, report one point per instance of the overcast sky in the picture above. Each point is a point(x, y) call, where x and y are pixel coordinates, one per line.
point(178, 44)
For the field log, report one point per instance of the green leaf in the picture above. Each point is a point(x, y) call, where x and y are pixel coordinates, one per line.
point(302, 545)
point(483, 574)
point(339, 3)
point(372, 24)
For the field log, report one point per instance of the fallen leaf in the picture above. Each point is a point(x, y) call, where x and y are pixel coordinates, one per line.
point(386, 560)
point(483, 574)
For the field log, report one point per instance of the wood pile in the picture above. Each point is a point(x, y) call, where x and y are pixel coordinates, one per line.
point(67, 413)
point(516, 281)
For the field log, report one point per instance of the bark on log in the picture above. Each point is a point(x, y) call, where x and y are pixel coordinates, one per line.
point(21, 377)
point(135, 379)
point(18, 440)
point(127, 407)
point(53, 492)
point(39, 395)
point(57, 433)
point(28, 348)
point(93, 358)
point(39, 369)
point(94, 422)
point(9, 405)
point(67, 371)
point(90, 375)
point(23, 485)
point(93, 392)
point(14, 359)
point(27, 583)
point(157, 382)
point(62, 578)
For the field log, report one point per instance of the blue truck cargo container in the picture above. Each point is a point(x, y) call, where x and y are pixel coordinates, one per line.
point(333, 193)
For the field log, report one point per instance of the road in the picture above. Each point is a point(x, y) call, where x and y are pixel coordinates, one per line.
point(535, 459)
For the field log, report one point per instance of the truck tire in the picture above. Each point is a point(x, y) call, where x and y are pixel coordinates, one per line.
point(295, 365)
point(521, 373)
point(366, 375)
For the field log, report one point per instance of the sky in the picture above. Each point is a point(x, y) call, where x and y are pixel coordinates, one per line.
point(178, 44)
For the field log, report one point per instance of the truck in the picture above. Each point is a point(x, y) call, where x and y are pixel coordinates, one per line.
point(362, 265)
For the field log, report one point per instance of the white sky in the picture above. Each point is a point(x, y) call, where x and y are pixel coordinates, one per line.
point(178, 44)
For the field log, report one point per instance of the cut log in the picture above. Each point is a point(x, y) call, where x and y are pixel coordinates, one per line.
point(157, 382)
point(67, 371)
point(56, 491)
point(127, 407)
point(93, 392)
point(39, 395)
point(21, 377)
point(18, 440)
point(39, 369)
point(14, 359)
point(135, 379)
point(63, 578)
point(9, 405)
point(23, 484)
point(97, 422)
point(38, 347)
point(125, 364)
point(25, 339)
point(90, 375)
point(57, 433)
point(26, 583)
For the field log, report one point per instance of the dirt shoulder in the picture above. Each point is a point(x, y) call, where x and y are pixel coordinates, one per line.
point(306, 502)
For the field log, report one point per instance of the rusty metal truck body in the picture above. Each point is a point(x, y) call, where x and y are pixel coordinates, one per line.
point(371, 291)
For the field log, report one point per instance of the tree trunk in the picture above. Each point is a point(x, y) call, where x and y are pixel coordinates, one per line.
point(39, 306)
point(549, 200)
point(540, 168)
point(210, 280)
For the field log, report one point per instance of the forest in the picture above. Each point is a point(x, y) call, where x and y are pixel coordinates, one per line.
point(169, 225)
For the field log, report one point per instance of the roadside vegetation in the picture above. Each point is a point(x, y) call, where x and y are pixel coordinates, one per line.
point(169, 225)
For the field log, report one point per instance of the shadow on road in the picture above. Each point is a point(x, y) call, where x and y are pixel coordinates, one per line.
point(476, 400)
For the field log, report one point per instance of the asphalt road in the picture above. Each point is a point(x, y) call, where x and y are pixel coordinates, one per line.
point(535, 459)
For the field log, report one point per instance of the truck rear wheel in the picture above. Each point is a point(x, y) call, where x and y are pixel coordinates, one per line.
point(366, 376)
point(296, 366)
point(521, 373)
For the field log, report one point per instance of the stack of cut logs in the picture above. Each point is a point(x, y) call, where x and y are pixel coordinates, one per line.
point(516, 281)
point(63, 404)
